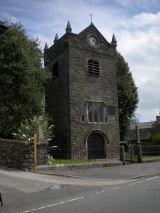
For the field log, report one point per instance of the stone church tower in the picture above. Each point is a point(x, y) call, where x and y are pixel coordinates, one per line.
point(82, 94)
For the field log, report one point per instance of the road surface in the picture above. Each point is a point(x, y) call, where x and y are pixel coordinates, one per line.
point(133, 188)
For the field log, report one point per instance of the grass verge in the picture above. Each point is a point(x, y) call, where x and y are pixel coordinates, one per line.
point(56, 161)
point(134, 158)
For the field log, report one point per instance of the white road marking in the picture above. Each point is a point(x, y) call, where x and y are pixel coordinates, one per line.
point(115, 188)
point(54, 204)
point(43, 207)
point(74, 199)
point(141, 181)
point(97, 193)
point(71, 200)
point(30, 210)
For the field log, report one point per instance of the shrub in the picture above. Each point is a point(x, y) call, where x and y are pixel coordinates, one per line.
point(30, 127)
point(156, 139)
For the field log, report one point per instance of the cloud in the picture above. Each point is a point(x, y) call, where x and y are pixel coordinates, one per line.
point(135, 25)
point(141, 49)
point(142, 4)
point(146, 19)
point(7, 16)
point(78, 14)
point(42, 40)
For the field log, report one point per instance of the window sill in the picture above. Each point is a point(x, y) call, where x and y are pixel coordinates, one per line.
point(94, 123)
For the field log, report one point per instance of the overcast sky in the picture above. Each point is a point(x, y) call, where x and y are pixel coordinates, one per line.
point(135, 23)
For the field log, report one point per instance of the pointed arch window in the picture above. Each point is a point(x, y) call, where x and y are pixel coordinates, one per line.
point(93, 67)
point(96, 112)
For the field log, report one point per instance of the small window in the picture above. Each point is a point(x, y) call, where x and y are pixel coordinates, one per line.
point(55, 70)
point(93, 67)
point(111, 110)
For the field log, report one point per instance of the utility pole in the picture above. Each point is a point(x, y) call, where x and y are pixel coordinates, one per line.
point(138, 144)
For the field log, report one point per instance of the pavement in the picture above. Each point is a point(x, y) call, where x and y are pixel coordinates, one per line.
point(79, 177)
point(31, 182)
point(117, 172)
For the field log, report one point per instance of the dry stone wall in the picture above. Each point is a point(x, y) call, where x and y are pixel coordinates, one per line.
point(20, 154)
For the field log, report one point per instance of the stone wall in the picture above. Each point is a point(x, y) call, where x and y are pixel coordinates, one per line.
point(57, 100)
point(20, 154)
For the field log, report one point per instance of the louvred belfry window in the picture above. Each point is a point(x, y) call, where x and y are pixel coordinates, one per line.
point(93, 68)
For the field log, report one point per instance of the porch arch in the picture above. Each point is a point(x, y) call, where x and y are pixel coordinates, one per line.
point(96, 144)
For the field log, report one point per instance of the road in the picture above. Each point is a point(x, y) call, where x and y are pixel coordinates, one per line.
point(140, 197)
point(27, 192)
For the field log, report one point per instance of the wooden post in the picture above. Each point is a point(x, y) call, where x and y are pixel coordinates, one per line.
point(35, 152)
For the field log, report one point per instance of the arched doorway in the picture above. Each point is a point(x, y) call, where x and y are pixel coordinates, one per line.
point(96, 146)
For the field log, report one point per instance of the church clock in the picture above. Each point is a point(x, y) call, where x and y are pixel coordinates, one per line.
point(92, 40)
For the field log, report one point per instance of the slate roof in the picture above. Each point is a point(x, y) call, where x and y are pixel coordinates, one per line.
point(143, 133)
point(145, 130)
point(143, 125)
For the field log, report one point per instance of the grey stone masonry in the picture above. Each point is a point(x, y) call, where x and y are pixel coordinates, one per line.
point(74, 88)
point(20, 154)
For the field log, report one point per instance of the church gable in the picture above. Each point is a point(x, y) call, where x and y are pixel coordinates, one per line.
point(91, 38)
point(91, 29)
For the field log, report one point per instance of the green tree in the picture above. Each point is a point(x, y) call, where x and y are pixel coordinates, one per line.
point(127, 94)
point(156, 138)
point(22, 79)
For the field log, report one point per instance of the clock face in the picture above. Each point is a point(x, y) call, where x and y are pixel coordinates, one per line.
point(92, 41)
